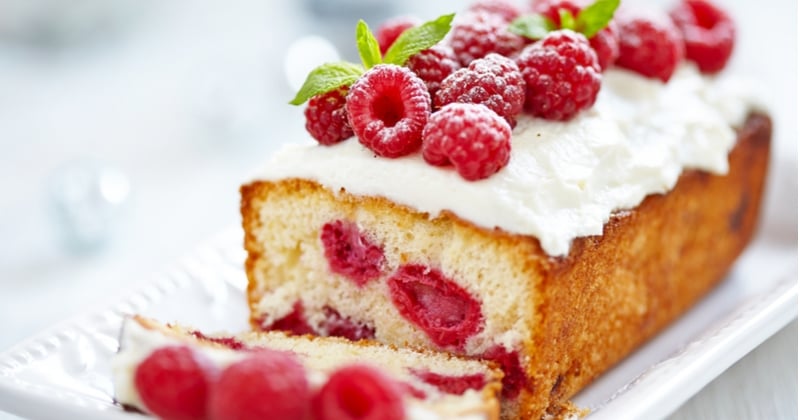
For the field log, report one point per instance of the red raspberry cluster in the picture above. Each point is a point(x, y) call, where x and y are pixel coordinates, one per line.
point(696, 30)
point(492, 72)
point(178, 383)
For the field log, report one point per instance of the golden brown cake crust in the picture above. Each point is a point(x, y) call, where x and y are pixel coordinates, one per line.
point(650, 265)
point(612, 292)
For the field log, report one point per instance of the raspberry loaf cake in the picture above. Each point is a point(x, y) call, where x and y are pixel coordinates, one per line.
point(535, 209)
point(176, 372)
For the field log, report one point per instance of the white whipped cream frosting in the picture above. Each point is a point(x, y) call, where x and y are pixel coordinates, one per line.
point(564, 179)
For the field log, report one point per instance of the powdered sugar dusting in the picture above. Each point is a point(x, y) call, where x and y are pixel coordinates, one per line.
point(434, 65)
point(494, 81)
point(478, 33)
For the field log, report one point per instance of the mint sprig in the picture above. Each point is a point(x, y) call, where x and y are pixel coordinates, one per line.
point(418, 38)
point(596, 16)
point(331, 76)
point(326, 78)
point(367, 44)
point(568, 20)
point(532, 26)
point(589, 21)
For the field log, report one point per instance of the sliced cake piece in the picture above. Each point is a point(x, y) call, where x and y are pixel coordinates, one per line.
point(412, 384)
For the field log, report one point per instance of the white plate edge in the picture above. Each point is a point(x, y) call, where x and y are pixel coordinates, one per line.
point(24, 398)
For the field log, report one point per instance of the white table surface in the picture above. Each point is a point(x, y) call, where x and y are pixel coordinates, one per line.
point(188, 100)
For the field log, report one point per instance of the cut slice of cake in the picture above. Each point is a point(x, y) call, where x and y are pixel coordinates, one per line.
point(429, 385)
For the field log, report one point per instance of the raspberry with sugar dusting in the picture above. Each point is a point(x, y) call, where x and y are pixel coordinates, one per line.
point(476, 34)
point(503, 8)
point(390, 30)
point(708, 33)
point(606, 45)
point(174, 382)
point(471, 137)
point(562, 75)
point(434, 65)
point(605, 42)
point(494, 81)
point(326, 117)
point(359, 392)
point(388, 108)
point(650, 46)
point(267, 384)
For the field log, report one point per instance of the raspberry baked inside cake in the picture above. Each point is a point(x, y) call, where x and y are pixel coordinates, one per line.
point(550, 227)
point(176, 372)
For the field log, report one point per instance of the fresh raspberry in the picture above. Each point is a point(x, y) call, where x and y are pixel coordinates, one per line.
point(476, 34)
point(455, 385)
point(562, 75)
point(388, 108)
point(336, 325)
point(504, 8)
point(359, 392)
point(605, 42)
point(267, 384)
point(446, 312)
point(434, 65)
point(652, 47)
point(350, 253)
point(494, 81)
point(514, 377)
point(326, 118)
point(471, 137)
point(229, 342)
point(173, 383)
point(390, 30)
point(294, 322)
point(708, 33)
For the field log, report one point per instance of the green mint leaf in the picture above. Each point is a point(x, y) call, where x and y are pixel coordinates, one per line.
point(418, 38)
point(567, 19)
point(326, 78)
point(368, 47)
point(532, 26)
point(596, 16)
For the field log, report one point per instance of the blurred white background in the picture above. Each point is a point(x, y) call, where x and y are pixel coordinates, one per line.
point(169, 106)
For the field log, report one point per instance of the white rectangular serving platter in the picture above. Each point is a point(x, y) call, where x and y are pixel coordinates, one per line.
point(64, 372)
